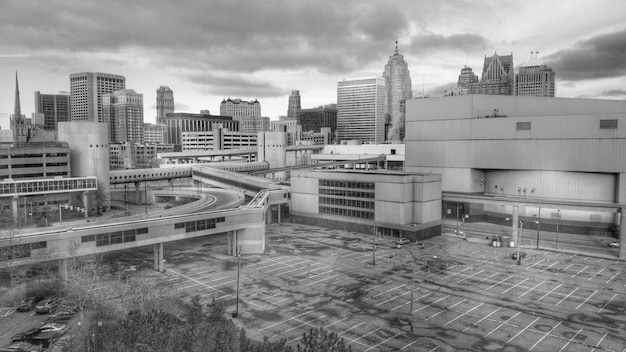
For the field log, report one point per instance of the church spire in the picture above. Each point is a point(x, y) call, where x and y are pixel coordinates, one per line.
point(17, 110)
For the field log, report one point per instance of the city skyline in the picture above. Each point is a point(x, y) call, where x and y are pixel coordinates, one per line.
point(269, 49)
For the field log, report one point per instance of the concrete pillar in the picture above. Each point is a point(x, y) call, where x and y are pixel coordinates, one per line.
point(62, 273)
point(15, 207)
point(86, 204)
point(622, 234)
point(278, 207)
point(137, 193)
point(514, 225)
point(268, 215)
point(229, 243)
point(158, 257)
point(234, 249)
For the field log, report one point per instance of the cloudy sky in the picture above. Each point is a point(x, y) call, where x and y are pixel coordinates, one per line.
point(207, 50)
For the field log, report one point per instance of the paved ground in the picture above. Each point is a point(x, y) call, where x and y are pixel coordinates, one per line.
point(465, 295)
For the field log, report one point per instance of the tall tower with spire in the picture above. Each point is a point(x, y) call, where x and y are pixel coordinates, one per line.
point(398, 84)
point(18, 123)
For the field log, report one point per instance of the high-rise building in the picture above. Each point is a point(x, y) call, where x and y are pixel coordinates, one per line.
point(467, 78)
point(294, 104)
point(54, 107)
point(247, 113)
point(361, 109)
point(534, 78)
point(498, 76)
point(398, 84)
point(86, 91)
point(313, 120)
point(154, 133)
point(123, 110)
point(164, 103)
point(177, 123)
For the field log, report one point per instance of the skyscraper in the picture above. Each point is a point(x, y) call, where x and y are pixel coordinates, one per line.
point(498, 77)
point(123, 110)
point(466, 79)
point(535, 78)
point(86, 90)
point(247, 113)
point(54, 107)
point(294, 104)
point(361, 109)
point(398, 84)
point(164, 103)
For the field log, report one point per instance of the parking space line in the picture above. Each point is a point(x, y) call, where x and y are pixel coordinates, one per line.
point(448, 309)
point(308, 277)
point(325, 326)
point(504, 322)
point(289, 266)
point(613, 277)
point(498, 283)
point(410, 344)
point(194, 280)
point(586, 299)
point(478, 251)
point(324, 279)
point(548, 267)
point(544, 336)
point(393, 337)
point(542, 260)
point(581, 270)
point(459, 316)
point(430, 304)
point(607, 303)
point(207, 285)
point(547, 293)
point(487, 278)
point(468, 277)
point(284, 321)
point(514, 286)
point(353, 327)
point(564, 298)
point(404, 304)
point(566, 267)
point(389, 290)
point(570, 340)
point(360, 337)
point(521, 331)
point(457, 273)
point(530, 290)
point(300, 325)
point(599, 342)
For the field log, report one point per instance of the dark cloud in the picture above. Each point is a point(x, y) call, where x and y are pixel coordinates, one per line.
point(235, 35)
point(613, 93)
point(236, 86)
point(601, 56)
point(465, 42)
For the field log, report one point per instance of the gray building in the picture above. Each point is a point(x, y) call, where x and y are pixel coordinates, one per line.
point(361, 109)
point(164, 103)
point(123, 110)
point(54, 107)
point(294, 104)
point(177, 123)
point(86, 91)
point(398, 84)
point(536, 79)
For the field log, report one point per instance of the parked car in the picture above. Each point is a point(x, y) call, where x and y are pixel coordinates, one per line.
point(21, 347)
point(401, 242)
point(25, 336)
point(46, 338)
point(46, 306)
point(614, 244)
point(60, 317)
point(522, 255)
point(57, 327)
point(29, 303)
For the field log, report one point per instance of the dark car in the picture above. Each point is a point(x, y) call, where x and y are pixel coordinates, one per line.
point(522, 255)
point(21, 347)
point(46, 338)
point(46, 306)
point(25, 336)
point(29, 303)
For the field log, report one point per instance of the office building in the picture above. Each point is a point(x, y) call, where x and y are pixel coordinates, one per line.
point(86, 91)
point(218, 139)
point(54, 107)
point(177, 123)
point(247, 113)
point(361, 109)
point(135, 155)
point(398, 85)
point(123, 110)
point(249, 124)
point(467, 78)
point(164, 103)
point(534, 78)
point(317, 118)
point(153, 133)
point(498, 77)
point(294, 104)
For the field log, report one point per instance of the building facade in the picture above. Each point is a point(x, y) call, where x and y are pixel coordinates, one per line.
point(124, 156)
point(164, 103)
point(123, 110)
point(398, 84)
point(313, 120)
point(536, 79)
point(361, 109)
point(294, 104)
point(498, 77)
point(153, 133)
point(86, 91)
point(177, 123)
point(54, 107)
point(467, 79)
point(386, 203)
point(218, 139)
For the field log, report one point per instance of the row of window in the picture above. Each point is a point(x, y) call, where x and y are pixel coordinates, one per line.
point(361, 214)
point(105, 239)
point(21, 250)
point(346, 184)
point(199, 225)
point(344, 193)
point(347, 202)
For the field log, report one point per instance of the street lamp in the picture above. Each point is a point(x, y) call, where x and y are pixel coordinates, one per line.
point(236, 314)
point(519, 240)
point(538, 224)
point(374, 251)
point(558, 215)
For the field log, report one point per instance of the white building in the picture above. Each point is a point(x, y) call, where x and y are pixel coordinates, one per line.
point(123, 110)
point(361, 109)
point(86, 91)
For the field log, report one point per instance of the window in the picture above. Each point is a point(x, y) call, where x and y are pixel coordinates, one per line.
point(608, 124)
point(523, 126)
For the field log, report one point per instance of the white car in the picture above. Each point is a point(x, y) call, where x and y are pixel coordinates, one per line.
point(614, 244)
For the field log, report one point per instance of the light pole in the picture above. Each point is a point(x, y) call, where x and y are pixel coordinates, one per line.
point(31, 213)
point(558, 215)
point(538, 224)
point(519, 240)
point(457, 219)
point(236, 314)
point(374, 251)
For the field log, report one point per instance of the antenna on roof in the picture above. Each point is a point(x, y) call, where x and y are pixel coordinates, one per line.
point(396, 46)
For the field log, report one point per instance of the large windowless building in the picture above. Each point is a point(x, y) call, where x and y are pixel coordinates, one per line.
point(361, 109)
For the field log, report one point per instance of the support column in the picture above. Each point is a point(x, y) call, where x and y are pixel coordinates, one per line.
point(15, 207)
point(622, 234)
point(234, 248)
point(514, 226)
point(229, 243)
point(137, 193)
point(62, 273)
point(278, 207)
point(268, 215)
point(86, 204)
point(158, 257)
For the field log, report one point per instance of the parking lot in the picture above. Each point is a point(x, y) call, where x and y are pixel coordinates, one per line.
point(447, 295)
